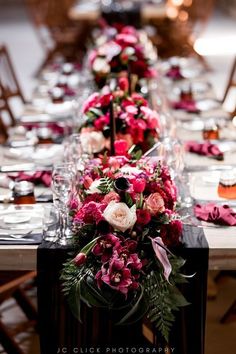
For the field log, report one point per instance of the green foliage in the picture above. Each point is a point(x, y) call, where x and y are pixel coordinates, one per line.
point(106, 185)
point(164, 298)
point(128, 200)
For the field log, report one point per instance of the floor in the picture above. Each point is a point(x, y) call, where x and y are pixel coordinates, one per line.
point(18, 33)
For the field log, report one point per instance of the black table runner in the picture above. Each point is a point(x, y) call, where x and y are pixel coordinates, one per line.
point(60, 331)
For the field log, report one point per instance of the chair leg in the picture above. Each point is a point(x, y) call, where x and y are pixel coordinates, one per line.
point(230, 314)
point(25, 304)
point(8, 342)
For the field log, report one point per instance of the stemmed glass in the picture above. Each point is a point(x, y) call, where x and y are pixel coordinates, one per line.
point(62, 188)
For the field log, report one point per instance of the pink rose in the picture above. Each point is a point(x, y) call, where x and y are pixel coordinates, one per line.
point(111, 196)
point(155, 203)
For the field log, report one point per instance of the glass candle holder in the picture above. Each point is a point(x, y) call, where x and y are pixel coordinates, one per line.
point(227, 185)
point(211, 131)
point(23, 193)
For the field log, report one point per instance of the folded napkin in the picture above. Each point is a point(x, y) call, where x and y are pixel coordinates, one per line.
point(217, 214)
point(174, 73)
point(39, 177)
point(205, 149)
point(186, 105)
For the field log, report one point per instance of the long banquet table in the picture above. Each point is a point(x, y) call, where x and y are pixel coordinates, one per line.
point(210, 247)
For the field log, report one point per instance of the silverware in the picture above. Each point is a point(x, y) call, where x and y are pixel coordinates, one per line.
point(18, 239)
point(16, 236)
point(24, 167)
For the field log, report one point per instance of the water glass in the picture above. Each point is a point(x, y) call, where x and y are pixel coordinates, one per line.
point(50, 223)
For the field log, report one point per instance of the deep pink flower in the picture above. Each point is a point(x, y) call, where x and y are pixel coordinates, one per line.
point(121, 147)
point(123, 84)
point(139, 185)
point(80, 259)
point(91, 212)
point(118, 277)
point(143, 216)
point(101, 122)
point(105, 247)
point(90, 102)
point(104, 100)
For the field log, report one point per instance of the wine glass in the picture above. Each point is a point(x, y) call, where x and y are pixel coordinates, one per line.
point(62, 188)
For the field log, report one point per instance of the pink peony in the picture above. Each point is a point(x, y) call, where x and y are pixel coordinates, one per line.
point(155, 203)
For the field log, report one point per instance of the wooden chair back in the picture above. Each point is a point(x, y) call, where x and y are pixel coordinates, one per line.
point(3, 131)
point(4, 106)
point(11, 283)
point(8, 80)
point(231, 81)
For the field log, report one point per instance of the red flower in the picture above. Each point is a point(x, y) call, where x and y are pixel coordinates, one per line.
point(123, 84)
point(105, 247)
point(104, 100)
point(101, 122)
point(139, 185)
point(90, 213)
point(171, 233)
point(90, 102)
point(80, 259)
point(143, 216)
point(121, 147)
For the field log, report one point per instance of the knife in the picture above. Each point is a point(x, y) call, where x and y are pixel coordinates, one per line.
point(16, 239)
point(25, 167)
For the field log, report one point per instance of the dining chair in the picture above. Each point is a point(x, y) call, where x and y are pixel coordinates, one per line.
point(9, 85)
point(12, 286)
point(8, 78)
point(3, 131)
point(231, 84)
point(65, 37)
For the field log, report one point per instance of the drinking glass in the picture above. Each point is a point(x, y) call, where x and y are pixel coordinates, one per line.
point(62, 188)
point(50, 223)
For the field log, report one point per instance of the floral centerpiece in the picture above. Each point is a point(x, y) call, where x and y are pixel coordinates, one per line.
point(126, 50)
point(123, 223)
point(136, 125)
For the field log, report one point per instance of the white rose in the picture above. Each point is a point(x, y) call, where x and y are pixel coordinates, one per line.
point(120, 216)
point(100, 65)
point(94, 187)
point(92, 142)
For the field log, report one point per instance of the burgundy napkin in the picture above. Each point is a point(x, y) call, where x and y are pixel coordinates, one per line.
point(174, 73)
point(186, 105)
point(39, 177)
point(217, 214)
point(206, 149)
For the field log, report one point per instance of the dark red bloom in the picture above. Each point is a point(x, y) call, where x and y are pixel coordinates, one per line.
point(171, 233)
point(143, 216)
point(121, 147)
point(105, 247)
